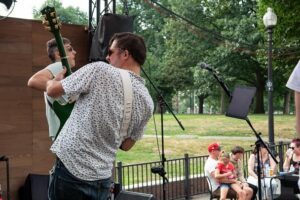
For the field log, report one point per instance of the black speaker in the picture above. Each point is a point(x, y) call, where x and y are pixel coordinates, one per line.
point(36, 187)
point(128, 195)
point(109, 25)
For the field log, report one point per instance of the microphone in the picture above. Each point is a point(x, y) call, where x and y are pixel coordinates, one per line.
point(203, 65)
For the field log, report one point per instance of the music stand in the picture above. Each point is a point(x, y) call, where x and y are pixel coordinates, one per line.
point(241, 100)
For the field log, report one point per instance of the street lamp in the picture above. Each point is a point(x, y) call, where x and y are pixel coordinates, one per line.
point(270, 21)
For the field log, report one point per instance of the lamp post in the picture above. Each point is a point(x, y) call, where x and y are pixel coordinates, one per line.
point(270, 21)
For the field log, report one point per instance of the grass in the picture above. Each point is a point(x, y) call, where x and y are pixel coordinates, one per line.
point(201, 130)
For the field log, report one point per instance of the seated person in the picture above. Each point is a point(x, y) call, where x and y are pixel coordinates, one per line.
point(225, 169)
point(236, 157)
point(214, 151)
point(265, 159)
point(292, 158)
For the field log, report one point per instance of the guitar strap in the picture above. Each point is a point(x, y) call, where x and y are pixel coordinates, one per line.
point(128, 97)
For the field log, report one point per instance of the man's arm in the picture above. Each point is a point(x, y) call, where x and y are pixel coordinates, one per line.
point(251, 162)
point(127, 144)
point(39, 80)
point(297, 105)
point(54, 87)
point(286, 164)
point(222, 178)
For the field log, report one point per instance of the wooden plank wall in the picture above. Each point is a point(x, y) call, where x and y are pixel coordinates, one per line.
point(23, 128)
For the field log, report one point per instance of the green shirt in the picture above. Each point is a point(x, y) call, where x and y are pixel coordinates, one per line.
point(239, 169)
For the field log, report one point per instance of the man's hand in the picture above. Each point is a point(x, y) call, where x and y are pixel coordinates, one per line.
point(60, 75)
point(127, 144)
point(244, 184)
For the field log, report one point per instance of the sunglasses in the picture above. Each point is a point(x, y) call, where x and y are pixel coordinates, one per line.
point(110, 51)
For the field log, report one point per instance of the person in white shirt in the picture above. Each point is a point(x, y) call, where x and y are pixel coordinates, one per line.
point(211, 163)
point(294, 84)
point(87, 144)
point(39, 80)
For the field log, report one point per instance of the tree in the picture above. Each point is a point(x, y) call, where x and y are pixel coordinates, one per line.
point(286, 45)
point(69, 15)
point(228, 39)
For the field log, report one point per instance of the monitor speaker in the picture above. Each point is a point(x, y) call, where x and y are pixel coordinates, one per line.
point(128, 195)
point(36, 187)
point(109, 25)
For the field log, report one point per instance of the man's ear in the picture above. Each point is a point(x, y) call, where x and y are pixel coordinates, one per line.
point(126, 53)
point(56, 55)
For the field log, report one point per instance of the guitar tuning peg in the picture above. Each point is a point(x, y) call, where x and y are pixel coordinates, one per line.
point(54, 21)
point(47, 28)
point(56, 26)
point(44, 22)
point(52, 14)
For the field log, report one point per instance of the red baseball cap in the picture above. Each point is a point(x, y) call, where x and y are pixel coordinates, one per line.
point(214, 146)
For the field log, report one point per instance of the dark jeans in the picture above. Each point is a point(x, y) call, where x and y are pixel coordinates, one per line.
point(65, 186)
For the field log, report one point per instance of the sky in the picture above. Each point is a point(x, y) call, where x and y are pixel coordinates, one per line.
point(23, 8)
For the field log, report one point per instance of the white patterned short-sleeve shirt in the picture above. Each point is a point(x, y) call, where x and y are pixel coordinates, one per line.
point(294, 79)
point(88, 142)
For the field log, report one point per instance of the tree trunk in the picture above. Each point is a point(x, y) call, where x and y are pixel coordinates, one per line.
point(201, 102)
point(222, 102)
point(191, 101)
point(287, 102)
point(259, 106)
point(177, 102)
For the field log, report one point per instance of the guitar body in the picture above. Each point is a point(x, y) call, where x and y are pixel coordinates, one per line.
point(63, 112)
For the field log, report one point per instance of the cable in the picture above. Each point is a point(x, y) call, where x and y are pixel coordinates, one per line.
point(157, 142)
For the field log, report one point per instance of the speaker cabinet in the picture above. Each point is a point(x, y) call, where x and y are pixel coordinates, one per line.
point(109, 25)
point(128, 195)
point(35, 187)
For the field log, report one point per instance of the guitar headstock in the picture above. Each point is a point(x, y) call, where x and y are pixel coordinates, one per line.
point(51, 20)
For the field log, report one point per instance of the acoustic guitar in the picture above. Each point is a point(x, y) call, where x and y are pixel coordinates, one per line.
point(52, 24)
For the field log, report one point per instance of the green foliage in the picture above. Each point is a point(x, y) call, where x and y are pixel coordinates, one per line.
point(69, 15)
point(286, 41)
point(200, 131)
point(228, 35)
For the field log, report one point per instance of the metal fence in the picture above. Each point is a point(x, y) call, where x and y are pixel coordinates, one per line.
point(185, 175)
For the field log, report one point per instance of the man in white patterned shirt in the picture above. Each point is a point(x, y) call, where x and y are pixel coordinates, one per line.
point(87, 144)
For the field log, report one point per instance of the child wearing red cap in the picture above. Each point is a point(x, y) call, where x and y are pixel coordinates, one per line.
point(225, 170)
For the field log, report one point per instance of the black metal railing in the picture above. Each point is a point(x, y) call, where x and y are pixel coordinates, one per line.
point(185, 175)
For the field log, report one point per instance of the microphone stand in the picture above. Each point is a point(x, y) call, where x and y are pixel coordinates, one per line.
point(162, 103)
point(259, 142)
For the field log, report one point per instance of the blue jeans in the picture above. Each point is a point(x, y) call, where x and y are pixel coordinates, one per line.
point(65, 186)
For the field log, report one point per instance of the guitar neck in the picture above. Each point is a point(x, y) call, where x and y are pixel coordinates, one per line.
point(62, 53)
point(53, 26)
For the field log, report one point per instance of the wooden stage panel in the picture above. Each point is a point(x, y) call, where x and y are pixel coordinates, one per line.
point(23, 127)
point(77, 35)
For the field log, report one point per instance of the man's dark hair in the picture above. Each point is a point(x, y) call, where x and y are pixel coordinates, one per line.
point(237, 149)
point(296, 141)
point(134, 44)
point(52, 47)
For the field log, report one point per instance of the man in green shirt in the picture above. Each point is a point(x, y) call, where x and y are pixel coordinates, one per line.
point(236, 159)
